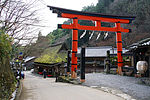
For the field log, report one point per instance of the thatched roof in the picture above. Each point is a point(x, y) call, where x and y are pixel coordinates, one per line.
point(54, 54)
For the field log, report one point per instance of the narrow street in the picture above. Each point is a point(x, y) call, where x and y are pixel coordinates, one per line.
point(37, 88)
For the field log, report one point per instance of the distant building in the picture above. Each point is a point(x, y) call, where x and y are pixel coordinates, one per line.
point(95, 57)
point(28, 63)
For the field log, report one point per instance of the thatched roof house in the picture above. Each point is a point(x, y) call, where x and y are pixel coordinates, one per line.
point(52, 59)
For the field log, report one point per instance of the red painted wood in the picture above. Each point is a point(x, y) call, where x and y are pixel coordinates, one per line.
point(75, 15)
point(118, 29)
point(82, 17)
point(74, 45)
point(119, 46)
point(97, 28)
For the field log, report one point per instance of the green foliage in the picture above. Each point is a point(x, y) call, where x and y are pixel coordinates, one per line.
point(7, 79)
point(56, 34)
point(113, 60)
point(5, 44)
point(90, 8)
point(7, 83)
point(51, 38)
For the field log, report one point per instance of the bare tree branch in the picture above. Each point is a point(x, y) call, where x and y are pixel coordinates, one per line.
point(17, 17)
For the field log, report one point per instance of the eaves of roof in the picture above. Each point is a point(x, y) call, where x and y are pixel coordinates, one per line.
point(63, 10)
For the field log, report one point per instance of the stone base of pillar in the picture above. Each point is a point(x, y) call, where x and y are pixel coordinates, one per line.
point(120, 70)
point(82, 80)
point(73, 75)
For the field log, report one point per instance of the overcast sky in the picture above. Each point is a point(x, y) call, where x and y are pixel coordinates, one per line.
point(50, 20)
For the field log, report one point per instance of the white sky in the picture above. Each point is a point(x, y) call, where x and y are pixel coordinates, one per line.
point(50, 19)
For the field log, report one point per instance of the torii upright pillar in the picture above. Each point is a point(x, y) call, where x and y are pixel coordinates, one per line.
point(119, 48)
point(74, 48)
point(98, 18)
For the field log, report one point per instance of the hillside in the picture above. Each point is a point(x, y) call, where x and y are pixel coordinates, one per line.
point(140, 27)
point(35, 49)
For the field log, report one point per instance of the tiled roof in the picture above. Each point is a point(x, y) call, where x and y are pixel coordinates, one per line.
point(99, 51)
point(145, 42)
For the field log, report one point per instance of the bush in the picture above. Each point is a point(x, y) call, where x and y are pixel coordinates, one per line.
point(7, 79)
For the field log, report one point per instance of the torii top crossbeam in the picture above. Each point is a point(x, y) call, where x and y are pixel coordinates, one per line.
point(60, 11)
point(98, 18)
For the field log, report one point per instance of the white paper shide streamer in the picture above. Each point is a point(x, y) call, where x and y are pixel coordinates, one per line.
point(106, 35)
point(83, 34)
point(91, 35)
point(98, 36)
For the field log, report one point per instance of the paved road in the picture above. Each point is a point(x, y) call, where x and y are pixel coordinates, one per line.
point(128, 85)
point(37, 88)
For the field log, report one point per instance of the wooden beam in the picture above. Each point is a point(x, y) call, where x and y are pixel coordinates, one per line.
point(97, 28)
point(119, 47)
point(74, 48)
point(103, 19)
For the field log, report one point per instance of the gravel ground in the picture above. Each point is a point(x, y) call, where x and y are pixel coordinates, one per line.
point(128, 85)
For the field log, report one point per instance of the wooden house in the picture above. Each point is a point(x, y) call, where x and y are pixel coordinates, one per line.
point(141, 51)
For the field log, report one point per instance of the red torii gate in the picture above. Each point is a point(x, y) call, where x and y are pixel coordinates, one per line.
point(79, 15)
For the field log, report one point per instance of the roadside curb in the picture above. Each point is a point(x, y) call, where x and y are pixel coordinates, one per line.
point(19, 90)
